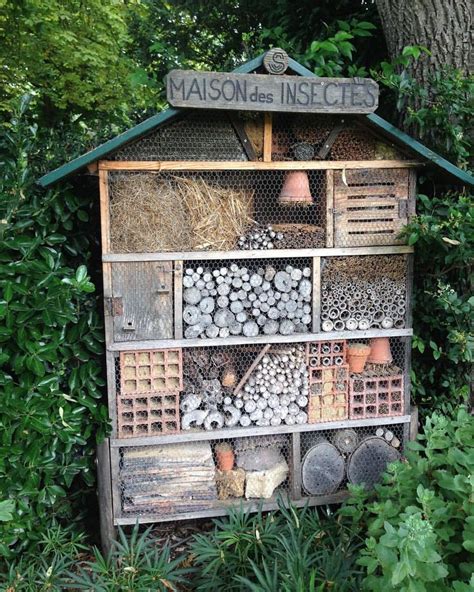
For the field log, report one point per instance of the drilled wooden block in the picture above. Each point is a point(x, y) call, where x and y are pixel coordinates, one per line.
point(153, 371)
point(147, 414)
point(326, 353)
point(328, 400)
point(375, 396)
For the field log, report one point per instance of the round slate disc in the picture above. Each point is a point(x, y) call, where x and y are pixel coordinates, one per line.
point(369, 460)
point(322, 470)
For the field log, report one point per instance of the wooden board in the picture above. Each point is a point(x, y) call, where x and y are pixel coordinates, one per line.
point(251, 368)
point(260, 92)
point(226, 165)
point(146, 290)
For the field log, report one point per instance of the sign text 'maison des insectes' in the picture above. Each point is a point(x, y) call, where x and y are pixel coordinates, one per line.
point(260, 92)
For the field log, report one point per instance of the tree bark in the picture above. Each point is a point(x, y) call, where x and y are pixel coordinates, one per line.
point(443, 26)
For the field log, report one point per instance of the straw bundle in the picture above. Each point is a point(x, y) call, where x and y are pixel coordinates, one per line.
point(151, 213)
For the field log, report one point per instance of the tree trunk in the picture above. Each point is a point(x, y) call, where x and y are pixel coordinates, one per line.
point(443, 26)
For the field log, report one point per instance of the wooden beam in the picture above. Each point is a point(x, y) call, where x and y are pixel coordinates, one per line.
point(251, 368)
point(237, 165)
point(267, 137)
point(104, 210)
point(260, 340)
point(108, 532)
point(267, 254)
point(329, 209)
point(205, 435)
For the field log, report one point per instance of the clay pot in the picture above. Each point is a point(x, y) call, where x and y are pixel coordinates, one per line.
point(296, 189)
point(357, 354)
point(225, 457)
point(380, 351)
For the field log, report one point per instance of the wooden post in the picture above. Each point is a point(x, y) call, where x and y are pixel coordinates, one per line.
point(108, 532)
point(295, 466)
point(178, 300)
point(316, 294)
point(329, 209)
point(267, 138)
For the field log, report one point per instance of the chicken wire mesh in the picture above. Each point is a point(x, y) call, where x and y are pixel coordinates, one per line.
point(258, 386)
point(364, 292)
point(193, 476)
point(330, 459)
point(247, 297)
point(218, 210)
point(199, 136)
point(326, 137)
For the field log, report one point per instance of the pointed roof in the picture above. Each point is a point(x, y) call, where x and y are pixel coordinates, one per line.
point(145, 127)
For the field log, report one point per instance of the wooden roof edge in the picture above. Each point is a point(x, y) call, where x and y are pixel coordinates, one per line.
point(171, 113)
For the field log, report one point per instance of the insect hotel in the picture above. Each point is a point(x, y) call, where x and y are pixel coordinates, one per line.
point(257, 293)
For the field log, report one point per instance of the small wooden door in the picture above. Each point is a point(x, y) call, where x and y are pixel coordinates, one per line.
point(370, 206)
point(143, 297)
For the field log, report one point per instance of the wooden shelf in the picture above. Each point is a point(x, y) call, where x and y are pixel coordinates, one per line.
point(260, 339)
point(202, 435)
point(221, 507)
point(263, 254)
point(232, 165)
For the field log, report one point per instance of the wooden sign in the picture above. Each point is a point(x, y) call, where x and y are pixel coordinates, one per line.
point(261, 92)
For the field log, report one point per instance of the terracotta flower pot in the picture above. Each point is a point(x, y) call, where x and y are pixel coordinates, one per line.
point(380, 351)
point(296, 189)
point(225, 458)
point(357, 354)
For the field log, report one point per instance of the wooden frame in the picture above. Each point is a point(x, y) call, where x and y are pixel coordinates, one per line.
point(109, 452)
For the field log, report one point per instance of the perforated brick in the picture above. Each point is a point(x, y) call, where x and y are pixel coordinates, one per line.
point(376, 393)
point(147, 414)
point(328, 400)
point(326, 353)
point(152, 371)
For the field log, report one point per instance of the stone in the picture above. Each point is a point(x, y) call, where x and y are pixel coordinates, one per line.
point(230, 483)
point(262, 484)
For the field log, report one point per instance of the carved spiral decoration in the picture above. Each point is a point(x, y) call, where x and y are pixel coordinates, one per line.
point(276, 61)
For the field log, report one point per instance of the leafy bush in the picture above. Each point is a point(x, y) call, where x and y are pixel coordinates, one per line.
point(50, 339)
point(293, 550)
point(443, 233)
point(420, 520)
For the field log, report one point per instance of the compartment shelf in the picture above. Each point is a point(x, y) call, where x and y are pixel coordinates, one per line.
point(260, 339)
point(224, 434)
point(250, 254)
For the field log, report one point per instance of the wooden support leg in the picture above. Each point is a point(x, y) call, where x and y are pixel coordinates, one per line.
point(295, 467)
point(108, 532)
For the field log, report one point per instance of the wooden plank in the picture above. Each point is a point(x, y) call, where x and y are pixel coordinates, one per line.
point(370, 191)
point(267, 254)
point(146, 291)
point(328, 144)
point(316, 294)
point(414, 424)
point(115, 479)
point(261, 339)
point(260, 92)
point(368, 202)
point(388, 215)
point(108, 532)
point(186, 165)
point(222, 507)
point(267, 138)
point(104, 211)
point(330, 209)
point(251, 368)
point(178, 299)
point(372, 175)
point(239, 128)
point(295, 466)
point(367, 225)
point(111, 381)
point(411, 194)
point(203, 435)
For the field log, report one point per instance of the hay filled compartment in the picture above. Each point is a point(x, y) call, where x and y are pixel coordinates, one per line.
point(153, 212)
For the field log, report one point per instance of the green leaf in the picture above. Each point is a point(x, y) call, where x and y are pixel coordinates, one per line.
point(7, 508)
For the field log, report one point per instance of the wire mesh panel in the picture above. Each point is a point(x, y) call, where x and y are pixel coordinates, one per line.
point(219, 210)
point(326, 137)
point(244, 386)
point(188, 477)
point(249, 298)
point(329, 458)
point(199, 136)
point(364, 292)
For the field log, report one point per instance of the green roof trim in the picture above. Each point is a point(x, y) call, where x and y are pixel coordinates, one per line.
point(168, 115)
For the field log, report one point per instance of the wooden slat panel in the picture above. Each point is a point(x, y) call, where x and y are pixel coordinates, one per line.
point(147, 294)
point(368, 202)
point(370, 214)
point(186, 165)
point(395, 190)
